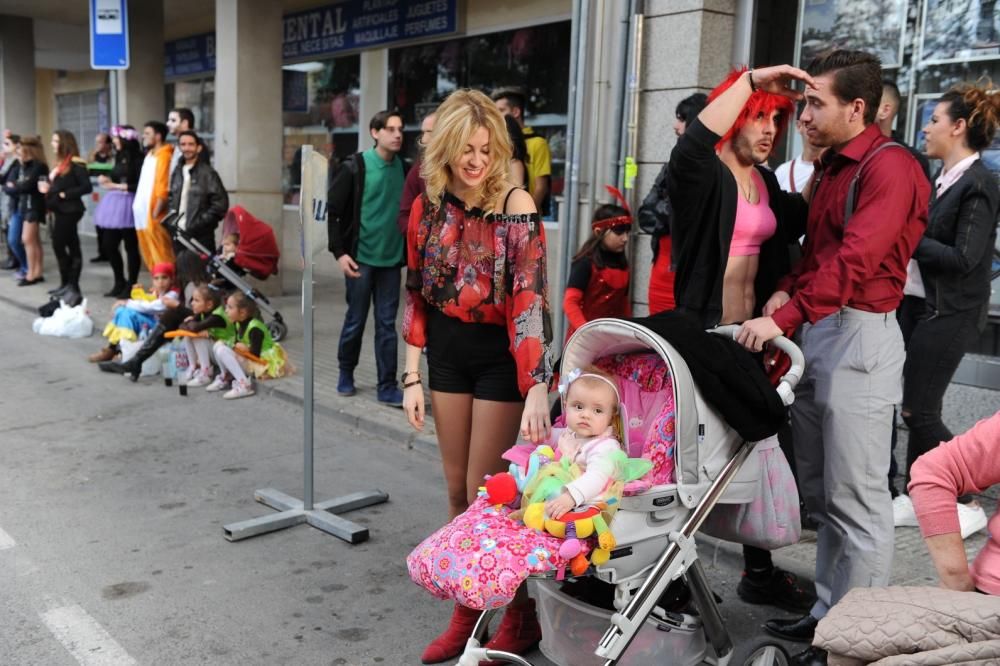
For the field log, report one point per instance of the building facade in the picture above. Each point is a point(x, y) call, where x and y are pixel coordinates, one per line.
point(265, 78)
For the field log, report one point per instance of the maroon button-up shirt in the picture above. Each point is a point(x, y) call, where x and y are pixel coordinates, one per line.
point(864, 265)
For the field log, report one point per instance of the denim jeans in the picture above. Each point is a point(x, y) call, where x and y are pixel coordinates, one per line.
point(936, 347)
point(14, 226)
point(381, 286)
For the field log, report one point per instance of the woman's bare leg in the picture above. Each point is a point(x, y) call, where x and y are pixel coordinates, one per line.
point(33, 250)
point(453, 435)
point(494, 430)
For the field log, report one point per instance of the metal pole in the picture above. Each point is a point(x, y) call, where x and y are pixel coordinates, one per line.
point(618, 90)
point(635, 75)
point(578, 67)
point(743, 32)
point(307, 361)
point(322, 515)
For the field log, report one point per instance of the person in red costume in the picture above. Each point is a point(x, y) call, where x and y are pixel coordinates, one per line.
point(598, 284)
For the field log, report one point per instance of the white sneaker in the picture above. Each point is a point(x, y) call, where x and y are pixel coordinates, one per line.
point(200, 379)
point(218, 384)
point(903, 514)
point(241, 389)
point(971, 518)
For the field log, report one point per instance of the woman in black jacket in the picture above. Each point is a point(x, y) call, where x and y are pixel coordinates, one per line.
point(68, 183)
point(114, 213)
point(30, 204)
point(954, 257)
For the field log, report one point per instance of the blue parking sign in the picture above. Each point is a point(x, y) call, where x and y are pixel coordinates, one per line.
point(108, 34)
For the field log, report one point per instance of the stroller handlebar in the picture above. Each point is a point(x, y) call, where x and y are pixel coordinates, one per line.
point(788, 382)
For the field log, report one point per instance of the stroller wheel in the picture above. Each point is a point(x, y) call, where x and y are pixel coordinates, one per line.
point(767, 653)
point(277, 329)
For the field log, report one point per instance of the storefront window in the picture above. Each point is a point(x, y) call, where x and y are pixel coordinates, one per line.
point(319, 107)
point(199, 96)
point(927, 46)
point(534, 59)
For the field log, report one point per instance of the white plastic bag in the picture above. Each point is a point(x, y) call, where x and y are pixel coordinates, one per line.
point(150, 367)
point(66, 322)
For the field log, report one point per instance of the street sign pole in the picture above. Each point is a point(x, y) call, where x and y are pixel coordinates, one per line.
point(322, 515)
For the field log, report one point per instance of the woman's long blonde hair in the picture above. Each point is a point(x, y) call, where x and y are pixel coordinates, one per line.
point(458, 117)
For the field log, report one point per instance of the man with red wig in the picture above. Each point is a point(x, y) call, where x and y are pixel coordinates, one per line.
point(866, 217)
point(733, 231)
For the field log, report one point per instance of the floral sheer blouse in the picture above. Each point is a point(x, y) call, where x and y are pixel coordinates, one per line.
point(480, 268)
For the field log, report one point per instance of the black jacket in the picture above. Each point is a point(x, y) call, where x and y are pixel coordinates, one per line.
point(703, 193)
point(30, 202)
point(343, 213)
point(956, 251)
point(207, 201)
point(655, 212)
point(729, 378)
point(74, 183)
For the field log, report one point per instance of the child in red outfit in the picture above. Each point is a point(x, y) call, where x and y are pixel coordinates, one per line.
point(598, 284)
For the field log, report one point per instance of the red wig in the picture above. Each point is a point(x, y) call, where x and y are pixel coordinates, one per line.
point(760, 103)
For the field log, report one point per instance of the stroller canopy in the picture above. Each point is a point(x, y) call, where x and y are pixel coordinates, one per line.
point(257, 251)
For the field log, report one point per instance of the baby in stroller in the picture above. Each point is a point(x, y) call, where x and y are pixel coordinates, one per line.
point(225, 255)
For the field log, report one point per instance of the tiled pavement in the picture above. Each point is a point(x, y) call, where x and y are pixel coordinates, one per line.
point(963, 405)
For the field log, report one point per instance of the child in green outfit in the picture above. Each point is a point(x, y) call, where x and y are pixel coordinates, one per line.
point(250, 350)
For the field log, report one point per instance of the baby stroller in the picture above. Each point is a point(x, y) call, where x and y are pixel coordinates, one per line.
point(257, 254)
point(655, 528)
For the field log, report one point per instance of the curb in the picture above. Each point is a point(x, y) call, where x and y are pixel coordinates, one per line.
point(368, 422)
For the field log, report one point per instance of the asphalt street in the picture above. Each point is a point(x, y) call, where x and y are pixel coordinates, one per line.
point(112, 501)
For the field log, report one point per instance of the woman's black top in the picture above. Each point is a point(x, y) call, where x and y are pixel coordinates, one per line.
point(30, 202)
point(126, 170)
point(73, 184)
point(956, 252)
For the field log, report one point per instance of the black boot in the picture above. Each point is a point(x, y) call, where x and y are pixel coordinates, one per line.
point(133, 367)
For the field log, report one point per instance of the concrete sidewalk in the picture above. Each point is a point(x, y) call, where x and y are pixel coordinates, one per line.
point(964, 405)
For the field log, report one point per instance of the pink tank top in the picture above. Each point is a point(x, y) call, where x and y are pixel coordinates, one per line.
point(755, 223)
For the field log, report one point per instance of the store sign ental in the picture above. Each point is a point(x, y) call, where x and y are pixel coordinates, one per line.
point(358, 24)
point(354, 24)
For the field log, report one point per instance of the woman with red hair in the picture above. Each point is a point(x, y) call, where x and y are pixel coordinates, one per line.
point(733, 229)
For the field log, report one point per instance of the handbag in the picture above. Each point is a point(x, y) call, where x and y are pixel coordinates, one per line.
point(771, 520)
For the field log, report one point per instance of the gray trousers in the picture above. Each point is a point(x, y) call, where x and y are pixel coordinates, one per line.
point(841, 420)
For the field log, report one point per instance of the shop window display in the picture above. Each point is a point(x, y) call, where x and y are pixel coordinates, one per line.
point(534, 59)
point(927, 46)
point(319, 107)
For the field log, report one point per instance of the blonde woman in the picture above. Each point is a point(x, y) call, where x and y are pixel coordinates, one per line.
point(477, 299)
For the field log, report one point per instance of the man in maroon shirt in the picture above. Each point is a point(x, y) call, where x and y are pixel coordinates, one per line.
point(843, 293)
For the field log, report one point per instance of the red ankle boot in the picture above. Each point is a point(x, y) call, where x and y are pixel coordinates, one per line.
point(518, 632)
point(451, 643)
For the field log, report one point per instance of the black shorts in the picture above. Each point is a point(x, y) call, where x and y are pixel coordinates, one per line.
point(470, 358)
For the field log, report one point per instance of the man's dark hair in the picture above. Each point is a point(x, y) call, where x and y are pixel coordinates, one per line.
point(192, 134)
point(514, 97)
point(857, 75)
point(689, 107)
point(159, 128)
point(381, 119)
point(185, 114)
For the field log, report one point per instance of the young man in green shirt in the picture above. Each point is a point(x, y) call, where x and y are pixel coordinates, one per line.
point(363, 203)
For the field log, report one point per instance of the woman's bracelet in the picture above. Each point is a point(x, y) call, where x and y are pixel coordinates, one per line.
point(415, 382)
point(407, 373)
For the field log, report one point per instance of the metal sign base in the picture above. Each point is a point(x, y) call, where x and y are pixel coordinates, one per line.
point(292, 512)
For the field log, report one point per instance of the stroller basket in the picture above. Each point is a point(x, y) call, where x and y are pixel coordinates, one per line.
point(257, 254)
point(655, 529)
